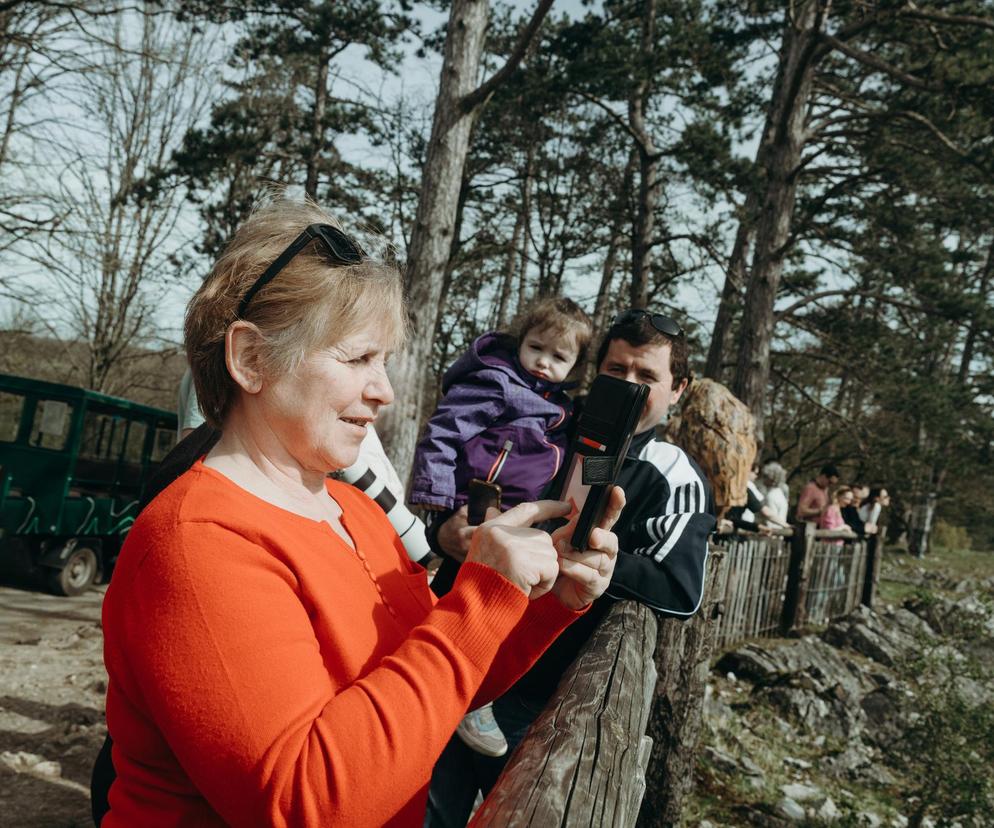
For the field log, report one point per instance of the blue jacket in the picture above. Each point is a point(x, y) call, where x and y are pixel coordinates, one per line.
point(490, 399)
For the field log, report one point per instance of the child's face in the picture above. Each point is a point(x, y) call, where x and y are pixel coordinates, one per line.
point(546, 355)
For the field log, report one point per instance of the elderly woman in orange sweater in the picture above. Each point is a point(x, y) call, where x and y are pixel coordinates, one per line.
point(274, 656)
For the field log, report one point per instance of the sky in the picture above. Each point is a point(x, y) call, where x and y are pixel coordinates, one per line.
point(417, 80)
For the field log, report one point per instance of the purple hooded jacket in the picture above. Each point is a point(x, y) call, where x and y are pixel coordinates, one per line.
point(489, 399)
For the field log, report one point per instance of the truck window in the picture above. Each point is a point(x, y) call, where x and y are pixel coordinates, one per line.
point(165, 439)
point(50, 427)
point(10, 415)
point(135, 442)
point(103, 435)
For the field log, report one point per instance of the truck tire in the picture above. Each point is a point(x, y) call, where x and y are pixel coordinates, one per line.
point(77, 575)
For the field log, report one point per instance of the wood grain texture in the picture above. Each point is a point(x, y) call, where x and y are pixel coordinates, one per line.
point(683, 655)
point(583, 760)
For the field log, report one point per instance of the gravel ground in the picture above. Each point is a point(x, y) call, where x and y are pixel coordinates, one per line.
point(52, 686)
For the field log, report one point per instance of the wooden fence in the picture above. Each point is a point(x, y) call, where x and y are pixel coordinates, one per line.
point(791, 579)
point(585, 756)
point(587, 759)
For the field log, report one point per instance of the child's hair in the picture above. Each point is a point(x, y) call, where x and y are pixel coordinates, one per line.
point(563, 317)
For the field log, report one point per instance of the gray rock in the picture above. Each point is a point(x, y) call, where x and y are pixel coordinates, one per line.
point(750, 767)
point(802, 793)
point(724, 762)
point(807, 659)
point(828, 811)
point(874, 636)
point(788, 808)
point(802, 764)
point(869, 819)
point(717, 714)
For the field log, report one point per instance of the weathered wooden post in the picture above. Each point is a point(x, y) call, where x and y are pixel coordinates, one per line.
point(794, 604)
point(872, 570)
point(683, 660)
point(583, 760)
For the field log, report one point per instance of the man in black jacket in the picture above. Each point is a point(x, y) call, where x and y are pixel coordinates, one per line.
point(662, 533)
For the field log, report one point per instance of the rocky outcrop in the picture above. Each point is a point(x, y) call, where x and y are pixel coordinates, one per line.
point(804, 722)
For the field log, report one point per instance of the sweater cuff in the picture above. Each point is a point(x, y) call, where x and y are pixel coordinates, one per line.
point(548, 613)
point(480, 611)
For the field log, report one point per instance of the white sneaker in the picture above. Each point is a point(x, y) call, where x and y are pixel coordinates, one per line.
point(479, 730)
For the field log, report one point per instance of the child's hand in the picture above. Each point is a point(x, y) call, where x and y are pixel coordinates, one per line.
point(455, 534)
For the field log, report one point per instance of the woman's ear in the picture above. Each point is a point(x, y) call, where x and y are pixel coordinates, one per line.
point(241, 355)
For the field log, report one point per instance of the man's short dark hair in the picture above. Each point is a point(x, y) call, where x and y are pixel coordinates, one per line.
point(640, 331)
point(829, 470)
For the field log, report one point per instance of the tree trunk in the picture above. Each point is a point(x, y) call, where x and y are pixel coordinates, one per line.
point(602, 304)
point(777, 161)
point(317, 128)
point(431, 239)
point(526, 210)
point(649, 184)
point(731, 293)
point(508, 281)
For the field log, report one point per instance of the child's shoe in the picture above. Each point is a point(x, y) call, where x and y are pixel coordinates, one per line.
point(479, 730)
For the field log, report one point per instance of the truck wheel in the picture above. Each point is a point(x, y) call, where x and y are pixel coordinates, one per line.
point(77, 575)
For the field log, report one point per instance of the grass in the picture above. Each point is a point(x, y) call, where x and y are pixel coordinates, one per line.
point(901, 575)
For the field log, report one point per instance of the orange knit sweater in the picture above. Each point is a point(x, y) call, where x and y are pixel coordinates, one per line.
point(264, 673)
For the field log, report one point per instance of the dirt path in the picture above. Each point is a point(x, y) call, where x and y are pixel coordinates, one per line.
point(52, 685)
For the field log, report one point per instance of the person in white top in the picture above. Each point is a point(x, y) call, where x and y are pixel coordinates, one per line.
point(774, 478)
point(869, 511)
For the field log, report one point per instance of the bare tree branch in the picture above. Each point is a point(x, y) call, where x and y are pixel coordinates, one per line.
point(486, 89)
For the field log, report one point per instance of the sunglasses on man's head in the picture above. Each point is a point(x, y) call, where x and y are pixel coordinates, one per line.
point(337, 246)
point(660, 322)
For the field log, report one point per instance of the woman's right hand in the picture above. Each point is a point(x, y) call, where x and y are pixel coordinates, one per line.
point(526, 557)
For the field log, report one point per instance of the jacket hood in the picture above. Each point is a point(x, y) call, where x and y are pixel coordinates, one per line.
point(498, 351)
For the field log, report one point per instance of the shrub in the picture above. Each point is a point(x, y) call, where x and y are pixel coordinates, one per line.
point(950, 537)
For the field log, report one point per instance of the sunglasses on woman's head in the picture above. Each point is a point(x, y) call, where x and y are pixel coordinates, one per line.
point(660, 322)
point(337, 246)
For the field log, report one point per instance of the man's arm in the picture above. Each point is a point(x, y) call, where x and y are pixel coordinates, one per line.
point(664, 532)
point(808, 507)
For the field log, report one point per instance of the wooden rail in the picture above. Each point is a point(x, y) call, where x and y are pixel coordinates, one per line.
point(583, 761)
point(613, 727)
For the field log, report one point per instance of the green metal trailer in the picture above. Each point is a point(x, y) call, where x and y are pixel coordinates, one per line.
point(73, 466)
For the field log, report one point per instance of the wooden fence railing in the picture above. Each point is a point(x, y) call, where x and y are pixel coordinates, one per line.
point(585, 755)
point(785, 581)
point(614, 729)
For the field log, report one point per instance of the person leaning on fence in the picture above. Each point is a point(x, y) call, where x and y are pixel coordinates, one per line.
point(870, 508)
point(814, 499)
point(850, 512)
point(274, 657)
point(776, 496)
point(663, 540)
point(831, 519)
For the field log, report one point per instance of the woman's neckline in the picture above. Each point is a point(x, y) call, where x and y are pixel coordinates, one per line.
point(319, 523)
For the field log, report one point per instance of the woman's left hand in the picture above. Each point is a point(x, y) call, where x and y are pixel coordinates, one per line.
point(584, 575)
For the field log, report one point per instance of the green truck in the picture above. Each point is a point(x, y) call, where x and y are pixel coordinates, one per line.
point(73, 466)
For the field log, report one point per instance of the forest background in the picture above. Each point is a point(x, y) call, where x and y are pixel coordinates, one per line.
point(814, 180)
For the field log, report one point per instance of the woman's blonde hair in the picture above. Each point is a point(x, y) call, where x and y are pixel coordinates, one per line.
point(312, 303)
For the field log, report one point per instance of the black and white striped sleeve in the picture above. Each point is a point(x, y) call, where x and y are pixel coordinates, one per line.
point(664, 532)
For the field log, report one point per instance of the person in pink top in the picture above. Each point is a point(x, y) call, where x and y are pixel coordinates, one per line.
point(832, 518)
point(814, 496)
